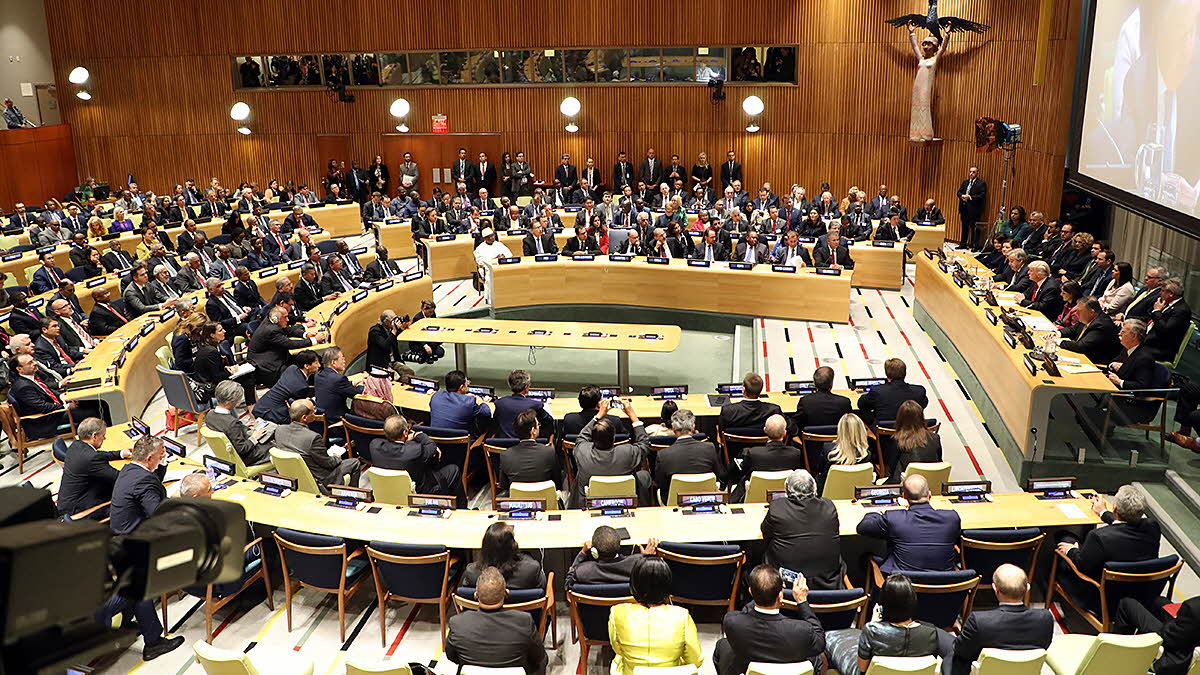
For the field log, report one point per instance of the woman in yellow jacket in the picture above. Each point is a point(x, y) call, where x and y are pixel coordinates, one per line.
point(651, 632)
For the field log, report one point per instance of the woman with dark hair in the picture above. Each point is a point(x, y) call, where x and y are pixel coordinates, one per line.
point(663, 427)
point(183, 345)
point(379, 175)
point(334, 174)
point(273, 192)
point(506, 175)
point(1017, 226)
point(894, 632)
point(812, 226)
point(1071, 292)
point(915, 442)
point(675, 231)
point(1119, 292)
point(500, 550)
point(213, 363)
point(650, 631)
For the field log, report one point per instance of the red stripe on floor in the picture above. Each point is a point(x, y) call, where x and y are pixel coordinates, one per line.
point(767, 380)
point(889, 311)
point(477, 302)
point(926, 372)
point(228, 620)
point(37, 472)
point(864, 351)
point(851, 321)
point(764, 349)
point(403, 629)
point(1058, 617)
point(810, 335)
point(946, 410)
point(975, 463)
point(906, 340)
point(817, 361)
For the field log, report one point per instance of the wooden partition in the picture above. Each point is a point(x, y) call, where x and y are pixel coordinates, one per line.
point(845, 121)
point(35, 164)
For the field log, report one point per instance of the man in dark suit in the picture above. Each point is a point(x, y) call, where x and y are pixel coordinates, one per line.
point(1044, 293)
point(333, 388)
point(1135, 366)
point(595, 182)
point(800, 533)
point(189, 278)
point(402, 449)
point(1095, 280)
point(495, 637)
point(600, 560)
point(622, 173)
point(776, 455)
point(297, 437)
point(651, 171)
point(920, 537)
point(662, 247)
point(929, 213)
point(274, 247)
point(87, 476)
point(538, 241)
point(759, 633)
point(46, 277)
point(296, 382)
point(381, 267)
point(373, 209)
point(508, 407)
point(138, 298)
point(382, 348)
point(709, 248)
point(460, 171)
point(245, 291)
point(822, 407)
point(750, 250)
point(529, 461)
point(589, 406)
point(971, 194)
point(137, 493)
point(296, 220)
point(483, 175)
point(224, 419)
point(880, 204)
point(731, 170)
point(633, 244)
point(1180, 633)
point(1016, 272)
point(750, 413)
point(270, 345)
point(1131, 536)
point(104, 317)
point(789, 251)
point(1094, 335)
point(212, 207)
point(50, 349)
point(308, 292)
point(597, 453)
point(1142, 305)
point(1012, 625)
point(567, 175)
point(116, 258)
point(882, 401)
point(582, 242)
point(833, 252)
point(30, 395)
point(336, 280)
point(221, 308)
point(1169, 322)
point(685, 455)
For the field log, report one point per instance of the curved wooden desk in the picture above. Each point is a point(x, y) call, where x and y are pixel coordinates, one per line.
point(804, 295)
point(348, 330)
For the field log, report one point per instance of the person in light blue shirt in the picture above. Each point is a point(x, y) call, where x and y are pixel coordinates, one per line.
point(454, 408)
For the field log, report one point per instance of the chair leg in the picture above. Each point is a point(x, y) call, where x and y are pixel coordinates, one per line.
point(583, 657)
point(342, 616)
point(208, 617)
point(163, 600)
point(382, 621)
point(442, 620)
point(287, 600)
point(266, 577)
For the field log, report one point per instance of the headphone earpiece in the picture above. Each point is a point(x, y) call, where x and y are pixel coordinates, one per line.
point(594, 552)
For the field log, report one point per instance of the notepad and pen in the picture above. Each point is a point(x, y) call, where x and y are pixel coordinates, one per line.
point(262, 431)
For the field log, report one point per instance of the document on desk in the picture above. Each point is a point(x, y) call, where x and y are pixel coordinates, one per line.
point(242, 369)
point(1077, 368)
point(1071, 511)
point(1039, 323)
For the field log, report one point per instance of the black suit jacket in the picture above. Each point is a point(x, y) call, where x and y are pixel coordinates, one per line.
point(622, 175)
point(882, 402)
point(978, 191)
point(289, 386)
point(919, 538)
point(1122, 542)
point(730, 173)
point(417, 456)
point(651, 177)
point(30, 399)
point(1169, 329)
point(676, 249)
point(774, 456)
point(136, 495)
point(1143, 305)
point(103, 321)
point(820, 408)
point(1180, 636)
point(567, 176)
point(500, 638)
point(47, 354)
point(308, 294)
point(330, 283)
point(823, 257)
point(116, 260)
point(529, 244)
point(268, 351)
point(770, 638)
point(1049, 298)
point(529, 462)
point(686, 455)
point(376, 270)
point(27, 321)
point(573, 246)
point(1097, 340)
point(1006, 627)
point(332, 390)
point(747, 414)
point(719, 251)
point(802, 535)
point(761, 253)
point(87, 478)
point(382, 347)
point(1137, 369)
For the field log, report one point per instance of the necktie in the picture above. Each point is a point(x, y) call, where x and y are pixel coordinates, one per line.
point(118, 314)
point(539, 245)
point(279, 243)
point(708, 253)
point(53, 274)
point(832, 255)
point(749, 253)
point(62, 354)
point(47, 390)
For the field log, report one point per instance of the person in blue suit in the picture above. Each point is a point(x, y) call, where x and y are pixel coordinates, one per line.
point(920, 538)
point(508, 406)
point(46, 277)
point(332, 385)
point(293, 383)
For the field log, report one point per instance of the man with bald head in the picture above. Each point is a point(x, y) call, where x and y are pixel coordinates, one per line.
point(776, 455)
point(801, 533)
point(494, 637)
point(919, 538)
point(1012, 625)
point(326, 464)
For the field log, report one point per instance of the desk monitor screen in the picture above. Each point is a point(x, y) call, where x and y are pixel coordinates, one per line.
point(877, 493)
point(279, 483)
point(137, 427)
point(593, 334)
point(966, 487)
point(658, 261)
point(487, 330)
point(217, 465)
point(865, 383)
point(480, 390)
point(361, 295)
point(422, 385)
point(92, 283)
point(384, 285)
point(347, 492)
point(342, 306)
point(616, 257)
point(612, 506)
point(120, 362)
point(263, 274)
point(799, 387)
point(772, 495)
point(174, 447)
point(736, 265)
point(542, 395)
point(1065, 483)
point(539, 331)
point(697, 498)
point(437, 502)
point(147, 329)
point(507, 505)
point(730, 389)
point(296, 264)
point(670, 392)
point(166, 316)
point(1030, 365)
point(609, 392)
point(431, 329)
point(650, 336)
point(413, 276)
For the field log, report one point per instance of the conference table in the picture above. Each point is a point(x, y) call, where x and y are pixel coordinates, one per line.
point(619, 337)
point(136, 380)
point(803, 295)
point(1015, 402)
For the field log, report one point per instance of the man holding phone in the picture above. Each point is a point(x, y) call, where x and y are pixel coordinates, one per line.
point(760, 633)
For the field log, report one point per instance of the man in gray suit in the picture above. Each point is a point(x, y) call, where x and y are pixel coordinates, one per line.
point(224, 267)
point(296, 437)
point(224, 418)
point(160, 286)
point(597, 454)
point(191, 275)
point(139, 297)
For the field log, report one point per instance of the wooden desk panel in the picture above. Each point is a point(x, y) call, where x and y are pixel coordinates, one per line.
point(455, 258)
point(349, 329)
point(397, 239)
point(804, 296)
point(559, 334)
point(875, 266)
point(1023, 400)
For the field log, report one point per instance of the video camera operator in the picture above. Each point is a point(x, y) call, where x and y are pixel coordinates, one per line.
point(383, 349)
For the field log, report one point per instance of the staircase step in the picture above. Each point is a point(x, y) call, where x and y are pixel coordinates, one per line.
point(1177, 518)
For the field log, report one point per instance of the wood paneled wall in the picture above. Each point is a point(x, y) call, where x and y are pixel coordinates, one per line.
point(162, 91)
point(35, 164)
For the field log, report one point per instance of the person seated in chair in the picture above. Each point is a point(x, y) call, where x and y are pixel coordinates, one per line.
point(87, 474)
point(883, 401)
point(686, 455)
point(495, 637)
point(402, 449)
point(529, 461)
point(919, 538)
point(327, 467)
point(224, 419)
point(600, 560)
point(1012, 625)
point(760, 633)
point(800, 533)
point(1094, 334)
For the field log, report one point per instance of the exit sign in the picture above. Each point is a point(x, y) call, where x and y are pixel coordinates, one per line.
point(441, 124)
